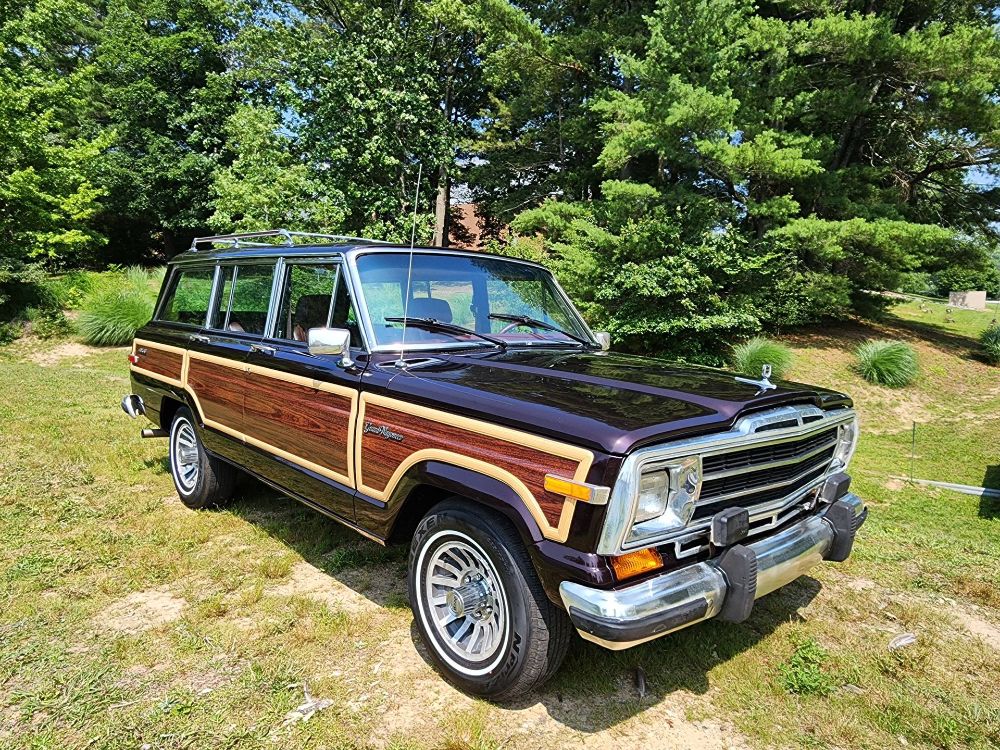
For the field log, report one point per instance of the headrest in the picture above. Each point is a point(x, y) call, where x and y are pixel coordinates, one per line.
point(430, 307)
point(311, 310)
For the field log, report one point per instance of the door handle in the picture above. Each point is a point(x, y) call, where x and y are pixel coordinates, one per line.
point(199, 338)
point(263, 349)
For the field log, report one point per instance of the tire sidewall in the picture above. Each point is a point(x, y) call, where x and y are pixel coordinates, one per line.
point(195, 495)
point(437, 529)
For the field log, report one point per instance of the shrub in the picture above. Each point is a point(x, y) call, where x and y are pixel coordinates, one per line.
point(990, 339)
point(750, 356)
point(890, 363)
point(47, 323)
point(70, 289)
point(118, 305)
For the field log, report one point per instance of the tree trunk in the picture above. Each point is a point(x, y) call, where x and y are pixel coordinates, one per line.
point(441, 206)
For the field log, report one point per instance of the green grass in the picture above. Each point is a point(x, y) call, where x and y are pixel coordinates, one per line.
point(750, 356)
point(272, 596)
point(890, 363)
point(117, 305)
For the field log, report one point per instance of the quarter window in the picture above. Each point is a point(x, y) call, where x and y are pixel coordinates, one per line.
point(187, 298)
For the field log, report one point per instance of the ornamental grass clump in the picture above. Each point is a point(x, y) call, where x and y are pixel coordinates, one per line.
point(990, 341)
point(889, 363)
point(117, 306)
point(750, 356)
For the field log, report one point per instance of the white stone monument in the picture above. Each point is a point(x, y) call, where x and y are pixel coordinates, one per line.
point(968, 300)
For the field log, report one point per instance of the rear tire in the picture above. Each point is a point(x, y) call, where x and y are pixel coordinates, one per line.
point(201, 480)
point(479, 606)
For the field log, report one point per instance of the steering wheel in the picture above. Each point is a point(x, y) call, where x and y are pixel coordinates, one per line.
point(510, 327)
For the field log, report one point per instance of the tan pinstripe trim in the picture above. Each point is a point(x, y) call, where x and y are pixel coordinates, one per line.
point(584, 458)
point(355, 459)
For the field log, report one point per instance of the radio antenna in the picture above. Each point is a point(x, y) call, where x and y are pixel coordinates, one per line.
point(409, 272)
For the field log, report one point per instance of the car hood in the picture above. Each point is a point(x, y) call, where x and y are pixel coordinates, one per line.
point(608, 401)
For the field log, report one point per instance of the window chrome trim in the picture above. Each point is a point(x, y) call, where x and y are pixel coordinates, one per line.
point(743, 435)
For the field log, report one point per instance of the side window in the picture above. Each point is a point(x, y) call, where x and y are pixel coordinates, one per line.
point(187, 299)
point(244, 298)
point(306, 300)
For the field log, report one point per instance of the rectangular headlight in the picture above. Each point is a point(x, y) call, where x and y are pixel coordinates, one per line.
point(666, 497)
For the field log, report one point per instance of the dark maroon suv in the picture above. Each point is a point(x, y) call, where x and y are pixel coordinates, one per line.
point(458, 403)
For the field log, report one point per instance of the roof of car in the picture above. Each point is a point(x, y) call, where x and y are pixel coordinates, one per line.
point(247, 246)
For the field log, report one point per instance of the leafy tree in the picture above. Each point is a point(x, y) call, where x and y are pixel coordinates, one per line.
point(47, 198)
point(266, 186)
point(165, 96)
point(834, 143)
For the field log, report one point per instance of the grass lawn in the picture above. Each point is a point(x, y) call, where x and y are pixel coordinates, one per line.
point(128, 621)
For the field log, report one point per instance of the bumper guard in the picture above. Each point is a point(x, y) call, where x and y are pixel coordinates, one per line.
point(725, 587)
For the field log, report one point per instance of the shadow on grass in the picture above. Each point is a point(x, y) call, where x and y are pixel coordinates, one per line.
point(989, 507)
point(595, 688)
point(325, 544)
point(857, 331)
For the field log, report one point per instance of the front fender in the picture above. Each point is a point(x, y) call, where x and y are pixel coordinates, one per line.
point(554, 562)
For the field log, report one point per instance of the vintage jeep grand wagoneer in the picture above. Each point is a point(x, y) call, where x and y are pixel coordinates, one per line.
point(457, 402)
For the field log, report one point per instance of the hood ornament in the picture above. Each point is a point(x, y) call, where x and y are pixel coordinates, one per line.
point(764, 384)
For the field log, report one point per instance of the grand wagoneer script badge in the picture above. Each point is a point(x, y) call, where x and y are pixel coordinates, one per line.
point(382, 431)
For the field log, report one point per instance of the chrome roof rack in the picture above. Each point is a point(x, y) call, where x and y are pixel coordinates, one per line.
point(245, 239)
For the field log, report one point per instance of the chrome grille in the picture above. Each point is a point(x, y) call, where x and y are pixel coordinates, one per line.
point(757, 475)
point(772, 463)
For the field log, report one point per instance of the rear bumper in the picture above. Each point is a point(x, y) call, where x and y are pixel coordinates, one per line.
point(724, 587)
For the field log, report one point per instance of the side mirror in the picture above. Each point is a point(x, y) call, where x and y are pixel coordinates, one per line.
point(331, 341)
point(604, 339)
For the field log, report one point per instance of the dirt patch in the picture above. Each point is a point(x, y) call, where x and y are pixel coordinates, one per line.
point(982, 629)
point(550, 720)
point(55, 355)
point(143, 610)
point(310, 582)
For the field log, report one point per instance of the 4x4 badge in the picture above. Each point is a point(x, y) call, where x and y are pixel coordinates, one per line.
point(382, 431)
point(764, 384)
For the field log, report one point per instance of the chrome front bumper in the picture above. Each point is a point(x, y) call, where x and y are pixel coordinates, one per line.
point(724, 587)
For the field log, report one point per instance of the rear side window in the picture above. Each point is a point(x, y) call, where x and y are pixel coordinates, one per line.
point(245, 298)
point(186, 301)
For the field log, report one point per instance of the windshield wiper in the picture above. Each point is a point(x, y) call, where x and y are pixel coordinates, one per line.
point(437, 325)
point(535, 323)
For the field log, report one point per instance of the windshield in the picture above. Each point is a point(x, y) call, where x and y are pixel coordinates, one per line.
point(474, 293)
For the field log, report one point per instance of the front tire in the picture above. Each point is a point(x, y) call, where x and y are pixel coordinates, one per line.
point(479, 607)
point(201, 480)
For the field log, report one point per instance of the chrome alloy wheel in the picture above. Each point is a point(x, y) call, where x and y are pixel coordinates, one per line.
point(184, 457)
point(464, 602)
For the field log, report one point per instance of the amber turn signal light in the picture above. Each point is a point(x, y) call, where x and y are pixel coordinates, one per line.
point(636, 563)
point(588, 493)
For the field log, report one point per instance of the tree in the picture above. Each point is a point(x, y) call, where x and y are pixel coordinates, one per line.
point(266, 186)
point(164, 95)
point(836, 142)
point(47, 197)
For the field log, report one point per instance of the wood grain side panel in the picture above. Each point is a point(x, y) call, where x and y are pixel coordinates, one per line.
point(299, 420)
point(381, 457)
point(168, 364)
point(219, 390)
